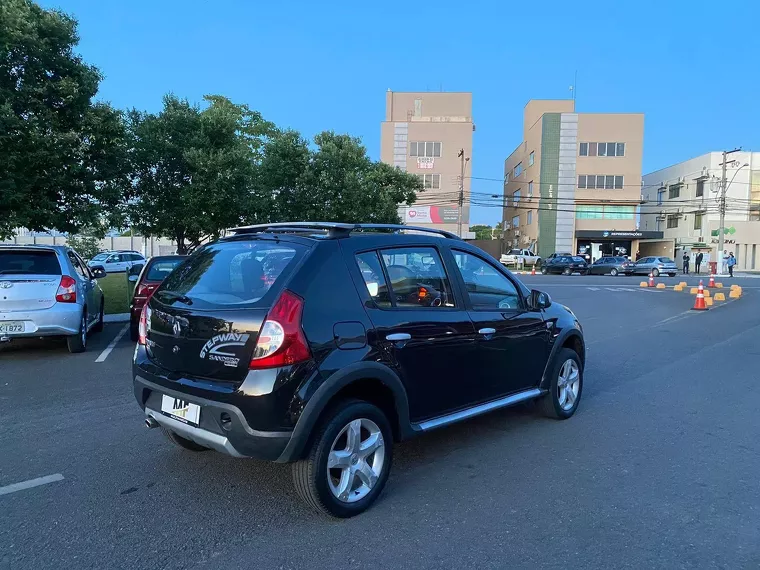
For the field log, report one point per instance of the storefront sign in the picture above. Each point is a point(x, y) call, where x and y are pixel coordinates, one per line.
point(615, 234)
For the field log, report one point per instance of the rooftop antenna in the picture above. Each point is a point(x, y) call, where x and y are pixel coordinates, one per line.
point(575, 82)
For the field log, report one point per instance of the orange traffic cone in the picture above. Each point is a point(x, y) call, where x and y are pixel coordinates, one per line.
point(711, 283)
point(651, 280)
point(699, 302)
point(533, 270)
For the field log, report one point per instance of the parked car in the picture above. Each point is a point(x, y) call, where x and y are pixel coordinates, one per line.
point(556, 254)
point(610, 265)
point(152, 274)
point(116, 261)
point(349, 347)
point(48, 291)
point(520, 257)
point(566, 265)
point(654, 265)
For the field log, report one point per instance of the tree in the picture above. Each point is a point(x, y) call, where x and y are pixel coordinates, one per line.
point(482, 232)
point(86, 245)
point(63, 156)
point(336, 181)
point(194, 170)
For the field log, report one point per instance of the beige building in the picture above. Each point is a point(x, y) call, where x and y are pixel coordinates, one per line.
point(423, 133)
point(574, 183)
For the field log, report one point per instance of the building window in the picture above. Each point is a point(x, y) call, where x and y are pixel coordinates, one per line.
point(697, 221)
point(531, 158)
point(674, 191)
point(530, 217)
point(591, 212)
point(518, 169)
point(516, 197)
point(530, 188)
point(700, 188)
point(425, 149)
point(430, 181)
point(619, 212)
point(581, 181)
point(602, 149)
point(516, 222)
point(600, 181)
point(618, 182)
point(599, 212)
point(672, 221)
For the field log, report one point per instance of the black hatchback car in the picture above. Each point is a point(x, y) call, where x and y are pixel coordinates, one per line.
point(565, 265)
point(323, 344)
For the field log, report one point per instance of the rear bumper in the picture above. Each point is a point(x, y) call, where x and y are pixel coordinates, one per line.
point(222, 426)
point(62, 319)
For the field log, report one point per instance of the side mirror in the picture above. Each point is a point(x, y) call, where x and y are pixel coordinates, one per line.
point(98, 272)
point(540, 300)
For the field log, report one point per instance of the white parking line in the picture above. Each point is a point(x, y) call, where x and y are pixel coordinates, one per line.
point(8, 489)
point(109, 348)
point(593, 288)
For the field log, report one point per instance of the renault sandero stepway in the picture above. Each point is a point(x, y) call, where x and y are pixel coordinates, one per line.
point(324, 344)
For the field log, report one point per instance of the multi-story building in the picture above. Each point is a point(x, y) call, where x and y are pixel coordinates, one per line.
point(574, 183)
point(681, 201)
point(424, 134)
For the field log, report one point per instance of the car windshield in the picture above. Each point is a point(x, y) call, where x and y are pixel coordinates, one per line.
point(578, 259)
point(231, 275)
point(29, 263)
point(160, 269)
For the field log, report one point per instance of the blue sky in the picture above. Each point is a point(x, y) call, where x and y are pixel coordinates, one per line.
point(693, 67)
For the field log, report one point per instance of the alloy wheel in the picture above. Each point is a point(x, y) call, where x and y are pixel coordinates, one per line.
point(568, 384)
point(614, 272)
point(356, 460)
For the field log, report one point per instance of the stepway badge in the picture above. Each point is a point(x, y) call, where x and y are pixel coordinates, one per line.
point(216, 347)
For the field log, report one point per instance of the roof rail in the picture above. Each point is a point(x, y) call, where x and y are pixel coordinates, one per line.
point(335, 229)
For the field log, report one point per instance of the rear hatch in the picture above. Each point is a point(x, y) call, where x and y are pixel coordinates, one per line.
point(29, 279)
point(204, 319)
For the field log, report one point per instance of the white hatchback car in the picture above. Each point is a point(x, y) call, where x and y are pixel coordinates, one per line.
point(116, 261)
point(48, 291)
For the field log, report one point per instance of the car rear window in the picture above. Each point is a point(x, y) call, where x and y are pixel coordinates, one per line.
point(665, 260)
point(29, 263)
point(159, 270)
point(231, 275)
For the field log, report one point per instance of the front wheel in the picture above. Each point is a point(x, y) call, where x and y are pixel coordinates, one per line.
point(614, 272)
point(544, 271)
point(78, 342)
point(348, 462)
point(566, 386)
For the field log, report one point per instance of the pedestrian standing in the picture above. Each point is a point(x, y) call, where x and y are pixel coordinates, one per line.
point(685, 263)
point(638, 255)
point(698, 261)
point(731, 262)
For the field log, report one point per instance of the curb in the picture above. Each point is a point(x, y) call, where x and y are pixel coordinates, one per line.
point(116, 318)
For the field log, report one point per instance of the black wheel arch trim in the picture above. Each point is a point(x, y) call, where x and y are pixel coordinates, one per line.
point(557, 345)
point(340, 379)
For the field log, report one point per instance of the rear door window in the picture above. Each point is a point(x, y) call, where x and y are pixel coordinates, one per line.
point(417, 278)
point(27, 262)
point(374, 279)
point(159, 270)
point(231, 275)
point(78, 266)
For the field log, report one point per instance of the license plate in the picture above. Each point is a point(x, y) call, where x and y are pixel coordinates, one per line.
point(181, 409)
point(11, 326)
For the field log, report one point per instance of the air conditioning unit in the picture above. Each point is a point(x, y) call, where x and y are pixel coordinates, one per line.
point(505, 226)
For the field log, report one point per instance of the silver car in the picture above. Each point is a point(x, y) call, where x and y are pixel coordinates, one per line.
point(48, 291)
point(654, 265)
point(116, 261)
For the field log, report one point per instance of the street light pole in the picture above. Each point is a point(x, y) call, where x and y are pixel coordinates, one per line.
point(722, 208)
point(463, 162)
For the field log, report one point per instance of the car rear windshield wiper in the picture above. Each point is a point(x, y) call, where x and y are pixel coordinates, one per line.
point(176, 296)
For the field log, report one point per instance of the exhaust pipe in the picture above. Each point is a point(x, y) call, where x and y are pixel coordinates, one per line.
point(150, 423)
point(5, 339)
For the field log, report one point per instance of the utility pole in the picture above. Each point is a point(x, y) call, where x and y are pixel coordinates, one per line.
point(463, 162)
point(722, 207)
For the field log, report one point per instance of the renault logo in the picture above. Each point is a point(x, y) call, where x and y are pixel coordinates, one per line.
point(5, 284)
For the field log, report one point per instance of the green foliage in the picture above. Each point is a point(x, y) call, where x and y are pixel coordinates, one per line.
point(63, 156)
point(482, 231)
point(194, 170)
point(336, 181)
point(87, 246)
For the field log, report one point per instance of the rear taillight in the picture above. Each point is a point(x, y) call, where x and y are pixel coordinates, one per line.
point(67, 290)
point(281, 341)
point(142, 328)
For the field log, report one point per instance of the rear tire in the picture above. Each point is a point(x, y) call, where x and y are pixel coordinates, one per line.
point(77, 343)
point(553, 405)
point(99, 325)
point(182, 442)
point(319, 486)
point(567, 272)
point(544, 271)
point(614, 272)
point(655, 272)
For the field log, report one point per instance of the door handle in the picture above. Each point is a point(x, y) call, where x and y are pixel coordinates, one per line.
point(396, 337)
point(487, 331)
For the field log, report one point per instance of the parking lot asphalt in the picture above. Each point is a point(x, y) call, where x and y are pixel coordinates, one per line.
point(658, 469)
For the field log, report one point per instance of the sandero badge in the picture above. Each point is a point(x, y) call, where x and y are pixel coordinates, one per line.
point(214, 348)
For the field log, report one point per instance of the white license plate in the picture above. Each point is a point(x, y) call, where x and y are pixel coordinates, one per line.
point(11, 326)
point(181, 409)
